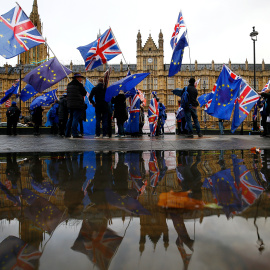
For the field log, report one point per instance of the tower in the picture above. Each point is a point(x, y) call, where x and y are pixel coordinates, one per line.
point(38, 53)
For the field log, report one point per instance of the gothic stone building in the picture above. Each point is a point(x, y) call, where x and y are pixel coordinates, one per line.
point(150, 58)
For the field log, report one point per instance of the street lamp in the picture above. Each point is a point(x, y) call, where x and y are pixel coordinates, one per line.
point(204, 86)
point(253, 36)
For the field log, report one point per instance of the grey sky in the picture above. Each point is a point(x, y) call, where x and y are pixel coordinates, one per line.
point(218, 30)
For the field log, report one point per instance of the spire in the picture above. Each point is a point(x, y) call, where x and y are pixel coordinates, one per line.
point(34, 16)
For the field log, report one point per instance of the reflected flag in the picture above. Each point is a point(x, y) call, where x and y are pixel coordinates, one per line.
point(236, 171)
point(45, 100)
point(45, 187)
point(179, 24)
point(46, 75)
point(89, 126)
point(17, 33)
point(226, 92)
point(16, 254)
point(11, 91)
point(15, 199)
point(247, 98)
point(29, 196)
point(100, 51)
point(177, 55)
point(27, 92)
point(153, 169)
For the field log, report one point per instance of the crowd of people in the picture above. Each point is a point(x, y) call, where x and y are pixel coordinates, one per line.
point(66, 115)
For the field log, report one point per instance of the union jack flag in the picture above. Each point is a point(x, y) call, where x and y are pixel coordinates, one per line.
point(153, 169)
point(153, 114)
point(100, 51)
point(266, 86)
point(249, 187)
point(8, 103)
point(247, 98)
point(179, 24)
point(17, 33)
point(142, 97)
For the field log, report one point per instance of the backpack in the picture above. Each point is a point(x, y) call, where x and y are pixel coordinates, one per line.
point(185, 99)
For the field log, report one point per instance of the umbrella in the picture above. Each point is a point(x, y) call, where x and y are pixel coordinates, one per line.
point(125, 84)
point(178, 92)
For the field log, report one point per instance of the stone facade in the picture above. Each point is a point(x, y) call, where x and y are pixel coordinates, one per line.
point(150, 58)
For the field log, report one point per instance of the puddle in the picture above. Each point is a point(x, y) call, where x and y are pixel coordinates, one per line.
point(135, 210)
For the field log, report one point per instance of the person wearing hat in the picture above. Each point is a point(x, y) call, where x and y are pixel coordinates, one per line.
point(191, 111)
point(13, 114)
point(75, 104)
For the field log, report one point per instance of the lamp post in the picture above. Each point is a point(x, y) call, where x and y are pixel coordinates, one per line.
point(204, 86)
point(253, 36)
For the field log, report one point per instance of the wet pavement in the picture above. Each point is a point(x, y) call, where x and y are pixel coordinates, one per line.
point(50, 143)
point(134, 203)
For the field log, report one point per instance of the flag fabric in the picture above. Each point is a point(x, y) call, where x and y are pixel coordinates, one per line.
point(125, 84)
point(142, 97)
point(134, 115)
point(153, 169)
point(107, 77)
point(8, 103)
point(15, 199)
point(17, 33)
point(46, 75)
point(153, 114)
point(177, 55)
point(226, 92)
point(236, 167)
point(100, 51)
point(11, 91)
point(197, 83)
point(203, 99)
point(17, 254)
point(266, 86)
point(45, 187)
point(246, 99)
point(27, 92)
point(89, 126)
point(179, 24)
point(45, 100)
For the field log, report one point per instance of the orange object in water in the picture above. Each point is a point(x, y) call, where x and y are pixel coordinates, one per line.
point(179, 200)
point(255, 150)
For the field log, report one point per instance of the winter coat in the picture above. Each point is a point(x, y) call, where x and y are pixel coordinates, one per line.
point(120, 110)
point(193, 93)
point(13, 113)
point(75, 95)
point(98, 92)
point(63, 109)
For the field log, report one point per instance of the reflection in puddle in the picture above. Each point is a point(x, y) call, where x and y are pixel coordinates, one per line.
point(135, 210)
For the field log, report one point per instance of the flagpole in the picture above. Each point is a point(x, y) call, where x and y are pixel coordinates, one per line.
point(119, 47)
point(49, 48)
point(189, 55)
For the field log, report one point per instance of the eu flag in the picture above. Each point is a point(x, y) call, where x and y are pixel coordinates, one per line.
point(227, 88)
point(46, 75)
point(177, 56)
point(27, 92)
point(45, 100)
point(17, 33)
point(89, 126)
point(12, 91)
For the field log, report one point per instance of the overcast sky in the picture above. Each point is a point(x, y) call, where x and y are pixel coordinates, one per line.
point(217, 29)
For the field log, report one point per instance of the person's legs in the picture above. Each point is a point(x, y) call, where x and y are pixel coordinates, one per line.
point(105, 124)
point(14, 125)
point(76, 118)
point(69, 123)
point(9, 127)
point(188, 121)
point(98, 119)
point(195, 120)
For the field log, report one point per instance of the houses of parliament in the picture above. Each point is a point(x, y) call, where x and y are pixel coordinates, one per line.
point(150, 58)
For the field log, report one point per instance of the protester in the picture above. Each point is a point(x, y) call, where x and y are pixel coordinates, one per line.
point(120, 112)
point(221, 127)
point(110, 116)
point(52, 118)
point(62, 114)
point(162, 117)
point(265, 112)
point(37, 119)
point(101, 107)
point(82, 119)
point(133, 125)
point(153, 114)
point(13, 114)
point(180, 119)
point(75, 103)
point(141, 121)
point(191, 110)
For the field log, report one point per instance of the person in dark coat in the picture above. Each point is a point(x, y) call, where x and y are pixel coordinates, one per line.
point(75, 103)
point(83, 119)
point(13, 114)
point(120, 112)
point(265, 111)
point(62, 114)
point(191, 111)
point(101, 107)
point(37, 119)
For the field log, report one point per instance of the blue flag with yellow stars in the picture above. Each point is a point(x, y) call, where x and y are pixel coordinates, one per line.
point(126, 84)
point(89, 126)
point(177, 56)
point(12, 91)
point(45, 100)
point(27, 92)
point(227, 88)
point(46, 75)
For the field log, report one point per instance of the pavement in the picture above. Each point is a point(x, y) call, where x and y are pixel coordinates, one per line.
point(50, 143)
